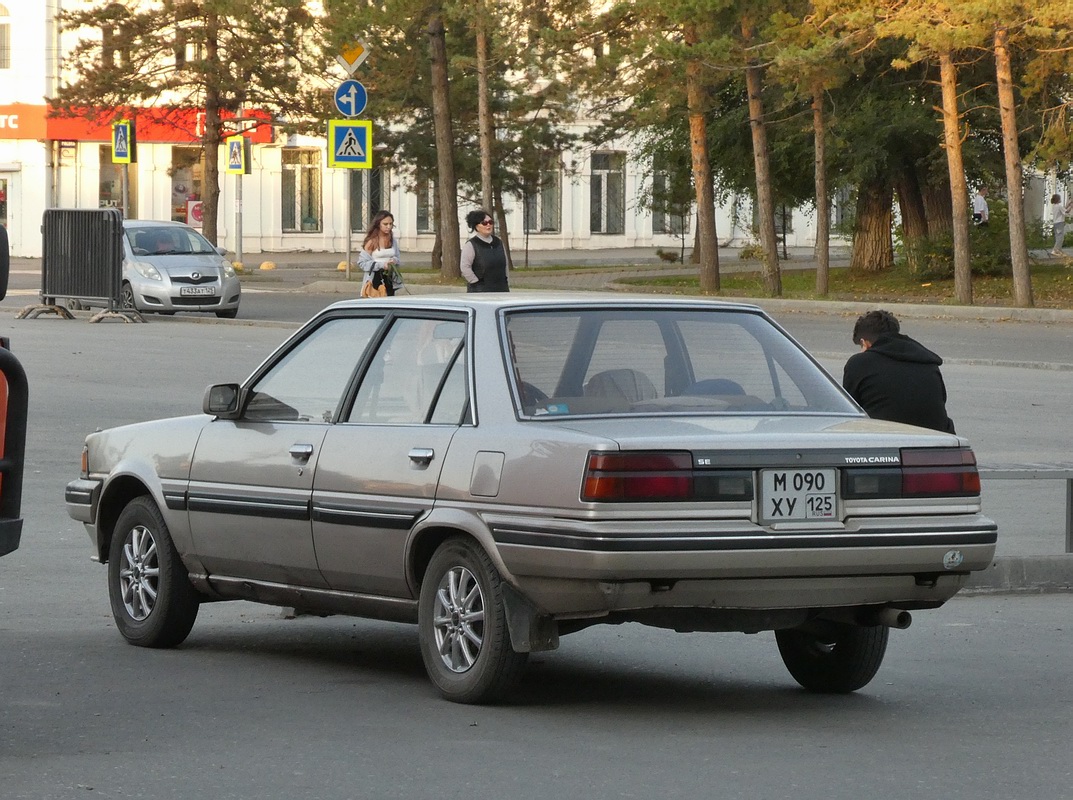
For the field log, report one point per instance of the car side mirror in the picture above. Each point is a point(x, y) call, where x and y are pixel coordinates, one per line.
point(221, 400)
point(222, 251)
point(5, 262)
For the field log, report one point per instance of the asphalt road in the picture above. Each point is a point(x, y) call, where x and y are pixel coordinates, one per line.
point(972, 701)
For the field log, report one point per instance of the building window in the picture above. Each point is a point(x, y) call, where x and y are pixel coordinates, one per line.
point(5, 38)
point(672, 200)
point(541, 206)
point(187, 170)
point(300, 195)
point(368, 195)
point(426, 205)
point(607, 193)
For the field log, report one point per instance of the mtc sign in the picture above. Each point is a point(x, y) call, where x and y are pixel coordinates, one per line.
point(21, 121)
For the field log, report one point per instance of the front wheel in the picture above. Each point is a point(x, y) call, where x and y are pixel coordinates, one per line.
point(833, 657)
point(228, 313)
point(153, 602)
point(463, 628)
point(126, 296)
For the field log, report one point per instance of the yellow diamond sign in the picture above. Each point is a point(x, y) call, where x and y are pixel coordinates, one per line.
point(352, 56)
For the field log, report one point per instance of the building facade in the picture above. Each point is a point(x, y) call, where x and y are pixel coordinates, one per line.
point(292, 201)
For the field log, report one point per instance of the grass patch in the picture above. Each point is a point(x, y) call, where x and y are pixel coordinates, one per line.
point(1052, 286)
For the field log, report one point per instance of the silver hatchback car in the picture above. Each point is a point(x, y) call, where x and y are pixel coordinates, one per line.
point(505, 469)
point(169, 267)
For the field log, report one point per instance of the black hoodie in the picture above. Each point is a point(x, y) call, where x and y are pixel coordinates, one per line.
point(898, 379)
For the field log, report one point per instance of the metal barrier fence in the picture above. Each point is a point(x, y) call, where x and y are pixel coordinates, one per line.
point(82, 255)
point(1038, 472)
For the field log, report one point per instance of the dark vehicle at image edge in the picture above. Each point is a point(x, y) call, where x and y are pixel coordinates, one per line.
point(503, 470)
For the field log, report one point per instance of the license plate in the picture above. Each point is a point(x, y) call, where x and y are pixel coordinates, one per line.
point(197, 291)
point(788, 495)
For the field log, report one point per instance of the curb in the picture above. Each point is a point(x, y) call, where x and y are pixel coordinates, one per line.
point(1023, 574)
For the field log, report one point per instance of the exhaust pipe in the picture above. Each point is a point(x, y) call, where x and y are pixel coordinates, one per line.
point(892, 617)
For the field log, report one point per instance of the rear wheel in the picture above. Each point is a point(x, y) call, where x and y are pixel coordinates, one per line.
point(153, 602)
point(463, 628)
point(833, 657)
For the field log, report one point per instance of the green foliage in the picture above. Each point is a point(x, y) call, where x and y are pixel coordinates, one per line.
point(989, 248)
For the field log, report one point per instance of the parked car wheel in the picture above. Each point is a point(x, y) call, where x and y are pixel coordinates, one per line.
point(229, 313)
point(835, 659)
point(126, 296)
point(463, 628)
point(153, 601)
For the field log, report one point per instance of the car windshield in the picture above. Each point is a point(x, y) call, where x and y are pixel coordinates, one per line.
point(598, 361)
point(165, 240)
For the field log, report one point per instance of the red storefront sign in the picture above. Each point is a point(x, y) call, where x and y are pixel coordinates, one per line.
point(167, 125)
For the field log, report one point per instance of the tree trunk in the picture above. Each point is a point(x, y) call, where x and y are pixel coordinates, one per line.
point(702, 173)
point(936, 196)
point(210, 194)
point(497, 201)
point(764, 198)
point(873, 250)
point(914, 218)
point(484, 113)
point(959, 191)
point(823, 204)
point(1022, 277)
point(446, 183)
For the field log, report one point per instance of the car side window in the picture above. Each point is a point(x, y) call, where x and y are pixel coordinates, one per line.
point(407, 374)
point(307, 384)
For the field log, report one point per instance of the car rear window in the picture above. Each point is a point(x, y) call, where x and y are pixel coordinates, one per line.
point(596, 361)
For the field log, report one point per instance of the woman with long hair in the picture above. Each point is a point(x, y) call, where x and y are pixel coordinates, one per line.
point(379, 257)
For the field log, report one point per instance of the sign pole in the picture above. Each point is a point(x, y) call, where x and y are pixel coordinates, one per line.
point(126, 191)
point(349, 222)
point(238, 217)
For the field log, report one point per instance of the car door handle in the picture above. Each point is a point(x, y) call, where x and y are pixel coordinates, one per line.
point(422, 455)
point(301, 451)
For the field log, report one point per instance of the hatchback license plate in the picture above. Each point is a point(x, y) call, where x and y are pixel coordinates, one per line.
point(197, 291)
point(788, 495)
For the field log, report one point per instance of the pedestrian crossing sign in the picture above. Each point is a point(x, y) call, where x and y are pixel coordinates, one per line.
point(238, 155)
point(350, 143)
point(124, 146)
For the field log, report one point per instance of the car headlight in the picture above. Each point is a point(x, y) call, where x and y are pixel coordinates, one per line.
point(229, 270)
point(146, 270)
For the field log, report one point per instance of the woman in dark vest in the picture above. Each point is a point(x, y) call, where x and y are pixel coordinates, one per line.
point(484, 259)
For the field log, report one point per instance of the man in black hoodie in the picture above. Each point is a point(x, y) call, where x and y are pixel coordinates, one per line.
point(894, 377)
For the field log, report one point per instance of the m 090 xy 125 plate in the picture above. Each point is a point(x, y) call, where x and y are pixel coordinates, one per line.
point(793, 495)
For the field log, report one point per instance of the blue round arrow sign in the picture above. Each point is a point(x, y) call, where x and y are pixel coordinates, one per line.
point(351, 98)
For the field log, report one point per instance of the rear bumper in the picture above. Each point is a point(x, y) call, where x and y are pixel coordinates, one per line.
point(571, 566)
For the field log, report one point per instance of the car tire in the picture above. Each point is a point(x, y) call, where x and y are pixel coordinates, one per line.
point(153, 602)
point(126, 296)
point(229, 313)
point(836, 658)
point(462, 626)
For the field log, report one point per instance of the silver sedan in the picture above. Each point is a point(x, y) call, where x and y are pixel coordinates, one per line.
point(502, 470)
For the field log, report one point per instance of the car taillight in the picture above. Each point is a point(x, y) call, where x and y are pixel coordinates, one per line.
point(638, 476)
point(924, 472)
point(939, 471)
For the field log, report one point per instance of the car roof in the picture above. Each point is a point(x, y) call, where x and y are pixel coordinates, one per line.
point(131, 224)
point(542, 300)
